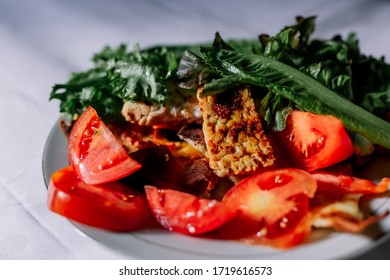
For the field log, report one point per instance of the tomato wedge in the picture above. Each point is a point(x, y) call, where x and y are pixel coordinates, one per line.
point(96, 155)
point(270, 204)
point(110, 206)
point(186, 213)
point(315, 141)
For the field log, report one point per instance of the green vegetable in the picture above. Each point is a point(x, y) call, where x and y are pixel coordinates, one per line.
point(298, 87)
point(362, 146)
point(335, 62)
point(118, 75)
point(286, 71)
point(377, 101)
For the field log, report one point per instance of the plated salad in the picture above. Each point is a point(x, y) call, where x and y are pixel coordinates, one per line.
point(259, 141)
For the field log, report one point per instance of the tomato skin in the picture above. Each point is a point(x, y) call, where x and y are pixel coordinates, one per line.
point(315, 141)
point(186, 213)
point(289, 240)
point(110, 206)
point(96, 155)
point(269, 205)
point(348, 184)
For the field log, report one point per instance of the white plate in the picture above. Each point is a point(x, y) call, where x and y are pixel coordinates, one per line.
point(167, 245)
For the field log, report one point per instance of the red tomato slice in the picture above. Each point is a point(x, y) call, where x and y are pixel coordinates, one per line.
point(111, 206)
point(186, 213)
point(291, 239)
point(270, 204)
point(349, 184)
point(96, 155)
point(315, 141)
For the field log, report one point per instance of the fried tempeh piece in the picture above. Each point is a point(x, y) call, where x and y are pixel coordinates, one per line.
point(235, 140)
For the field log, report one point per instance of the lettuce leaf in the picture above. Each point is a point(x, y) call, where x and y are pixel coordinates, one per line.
point(164, 73)
point(119, 75)
point(298, 87)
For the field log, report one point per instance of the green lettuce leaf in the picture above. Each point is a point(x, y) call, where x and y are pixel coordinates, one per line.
point(298, 87)
point(117, 76)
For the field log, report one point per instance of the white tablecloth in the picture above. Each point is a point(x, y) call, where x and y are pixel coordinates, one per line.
point(43, 41)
